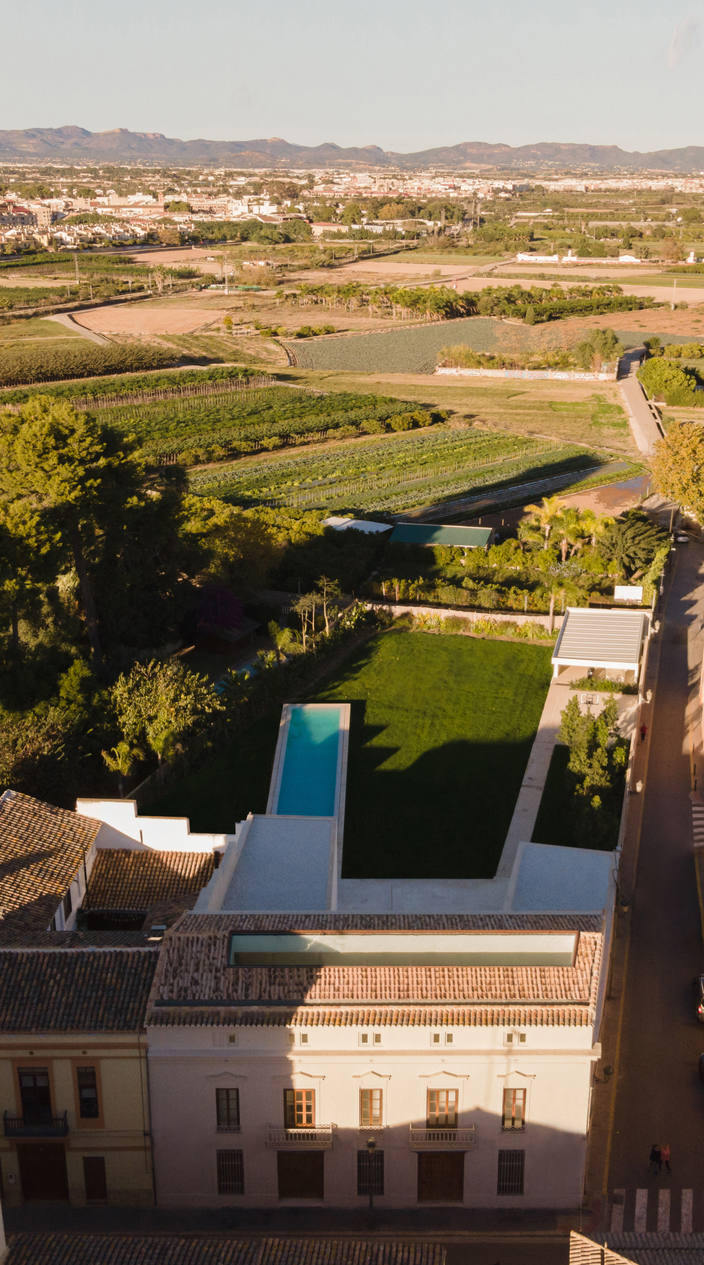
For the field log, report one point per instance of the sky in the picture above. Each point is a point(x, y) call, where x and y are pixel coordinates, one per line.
point(402, 74)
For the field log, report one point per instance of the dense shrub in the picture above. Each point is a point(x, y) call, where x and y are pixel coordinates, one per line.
point(676, 384)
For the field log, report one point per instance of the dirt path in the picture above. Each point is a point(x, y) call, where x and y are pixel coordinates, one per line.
point(66, 319)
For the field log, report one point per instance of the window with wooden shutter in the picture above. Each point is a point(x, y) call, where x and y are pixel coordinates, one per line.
point(514, 1109)
point(371, 1108)
point(299, 1108)
point(442, 1109)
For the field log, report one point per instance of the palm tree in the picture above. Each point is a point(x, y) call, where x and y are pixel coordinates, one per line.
point(121, 760)
point(546, 514)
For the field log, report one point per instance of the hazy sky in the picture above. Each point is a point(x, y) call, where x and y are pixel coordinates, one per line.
point(404, 74)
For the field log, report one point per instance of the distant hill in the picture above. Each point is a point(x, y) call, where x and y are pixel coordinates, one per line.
point(75, 144)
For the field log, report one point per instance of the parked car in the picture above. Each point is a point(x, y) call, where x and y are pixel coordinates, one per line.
point(699, 990)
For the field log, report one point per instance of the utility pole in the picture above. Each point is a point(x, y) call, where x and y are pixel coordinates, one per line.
point(75, 260)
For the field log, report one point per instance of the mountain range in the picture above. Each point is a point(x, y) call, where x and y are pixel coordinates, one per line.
point(76, 145)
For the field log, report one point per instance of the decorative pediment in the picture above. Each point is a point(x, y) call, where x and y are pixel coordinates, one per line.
point(515, 1071)
point(225, 1075)
point(371, 1071)
point(444, 1072)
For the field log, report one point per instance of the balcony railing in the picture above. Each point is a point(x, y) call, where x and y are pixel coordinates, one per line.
point(317, 1139)
point(440, 1138)
point(27, 1127)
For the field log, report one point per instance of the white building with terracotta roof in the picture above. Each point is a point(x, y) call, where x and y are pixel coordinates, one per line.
point(436, 1059)
point(320, 1040)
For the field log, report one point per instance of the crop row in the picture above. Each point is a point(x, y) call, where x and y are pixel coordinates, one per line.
point(95, 391)
point(37, 364)
point(227, 426)
point(391, 475)
point(398, 350)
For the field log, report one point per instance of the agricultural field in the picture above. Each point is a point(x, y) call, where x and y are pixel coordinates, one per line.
point(230, 425)
point(572, 412)
point(113, 390)
point(392, 474)
point(45, 361)
point(414, 350)
point(16, 333)
point(417, 349)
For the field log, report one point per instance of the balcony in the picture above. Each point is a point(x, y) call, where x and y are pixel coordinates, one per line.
point(304, 1139)
point(441, 1139)
point(29, 1127)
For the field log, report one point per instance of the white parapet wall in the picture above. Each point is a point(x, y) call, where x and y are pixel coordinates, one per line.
point(126, 828)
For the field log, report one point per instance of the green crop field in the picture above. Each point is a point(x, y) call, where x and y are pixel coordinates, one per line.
point(219, 426)
point(17, 332)
point(414, 350)
point(433, 771)
point(394, 474)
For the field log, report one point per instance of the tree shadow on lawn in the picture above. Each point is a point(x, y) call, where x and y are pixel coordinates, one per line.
point(445, 816)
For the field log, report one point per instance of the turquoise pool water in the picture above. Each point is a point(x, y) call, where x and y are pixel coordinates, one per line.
point(309, 774)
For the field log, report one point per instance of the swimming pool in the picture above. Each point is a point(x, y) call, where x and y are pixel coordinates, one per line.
point(306, 776)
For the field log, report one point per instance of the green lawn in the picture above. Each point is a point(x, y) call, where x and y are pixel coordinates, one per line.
point(442, 727)
point(441, 731)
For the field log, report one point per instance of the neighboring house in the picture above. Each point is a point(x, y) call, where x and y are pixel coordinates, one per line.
point(48, 855)
point(417, 1058)
point(82, 902)
point(73, 1074)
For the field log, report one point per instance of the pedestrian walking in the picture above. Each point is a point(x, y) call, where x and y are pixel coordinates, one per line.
point(643, 732)
point(655, 1160)
point(665, 1156)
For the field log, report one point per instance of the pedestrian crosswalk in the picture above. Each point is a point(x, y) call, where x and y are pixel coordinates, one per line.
point(697, 822)
point(663, 1209)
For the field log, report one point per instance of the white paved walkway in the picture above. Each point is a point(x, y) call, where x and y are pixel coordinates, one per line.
point(529, 796)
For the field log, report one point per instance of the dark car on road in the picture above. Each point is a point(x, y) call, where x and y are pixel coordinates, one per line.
point(699, 994)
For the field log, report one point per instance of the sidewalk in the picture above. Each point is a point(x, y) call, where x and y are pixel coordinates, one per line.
point(605, 1081)
point(419, 1224)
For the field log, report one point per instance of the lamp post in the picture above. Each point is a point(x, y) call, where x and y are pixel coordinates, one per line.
point(371, 1148)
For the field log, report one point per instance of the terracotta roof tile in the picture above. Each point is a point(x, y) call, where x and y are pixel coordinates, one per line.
point(194, 977)
point(41, 849)
point(213, 1249)
point(75, 990)
point(137, 879)
point(212, 924)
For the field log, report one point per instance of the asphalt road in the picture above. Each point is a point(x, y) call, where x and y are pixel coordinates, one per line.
point(659, 1095)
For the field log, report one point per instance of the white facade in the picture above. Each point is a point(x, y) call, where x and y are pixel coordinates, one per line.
point(550, 1067)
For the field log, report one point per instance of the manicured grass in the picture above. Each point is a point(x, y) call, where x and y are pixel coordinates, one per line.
point(559, 820)
point(441, 731)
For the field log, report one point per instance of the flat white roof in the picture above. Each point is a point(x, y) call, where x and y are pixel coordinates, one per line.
point(287, 864)
point(548, 877)
point(355, 524)
point(601, 638)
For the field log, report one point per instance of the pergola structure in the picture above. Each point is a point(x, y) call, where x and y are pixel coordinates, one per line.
point(612, 639)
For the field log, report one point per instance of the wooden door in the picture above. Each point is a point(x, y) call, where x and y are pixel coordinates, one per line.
point(301, 1174)
point(43, 1170)
point(95, 1178)
point(441, 1176)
